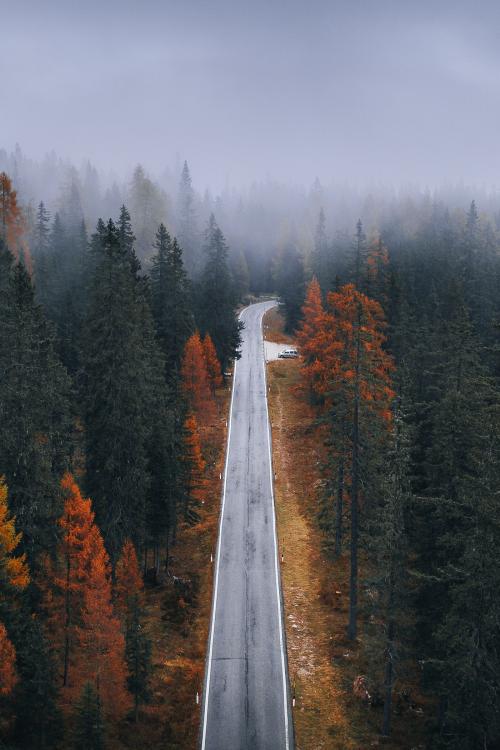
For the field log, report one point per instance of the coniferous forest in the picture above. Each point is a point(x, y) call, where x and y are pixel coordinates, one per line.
point(249, 375)
point(111, 354)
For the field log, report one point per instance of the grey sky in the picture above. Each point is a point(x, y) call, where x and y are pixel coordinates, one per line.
point(356, 90)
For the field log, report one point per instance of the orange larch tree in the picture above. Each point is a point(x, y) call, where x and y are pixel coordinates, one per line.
point(68, 576)
point(101, 643)
point(12, 224)
point(212, 362)
point(314, 340)
point(362, 386)
point(84, 632)
point(14, 572)
point(8, 672)
point(195, 482)
point(128, 579)
point(196, 381)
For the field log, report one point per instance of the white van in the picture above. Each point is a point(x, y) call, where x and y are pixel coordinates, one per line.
point(288, 354)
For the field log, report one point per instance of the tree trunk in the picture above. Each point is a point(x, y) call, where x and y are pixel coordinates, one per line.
point(388, 678)
point(352, 629)
point(339, 507)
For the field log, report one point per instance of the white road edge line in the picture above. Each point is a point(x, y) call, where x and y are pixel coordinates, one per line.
point(219, 541)
point(219, 544)
point(278, 593)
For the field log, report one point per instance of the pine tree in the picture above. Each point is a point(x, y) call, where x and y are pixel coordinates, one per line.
point(321, 262)
point(34, 390)
point(290, 284)
point(217, 298)
point(129, 602)
point(170, 297)
point(121, 373)
point(89, 726)
point(186, 221)
point(41, 233)
point(389, 625)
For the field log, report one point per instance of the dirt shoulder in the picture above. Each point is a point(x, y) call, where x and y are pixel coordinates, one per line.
point(323, 664)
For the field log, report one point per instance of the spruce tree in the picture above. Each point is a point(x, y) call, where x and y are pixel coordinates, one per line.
point(170, 296)
point(118, 337)
point(187, 230)
point(34, 403)
point(217, 299)
point(89, 725)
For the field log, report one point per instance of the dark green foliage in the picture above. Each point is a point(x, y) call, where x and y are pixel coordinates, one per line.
point(171, 304)
point(290, 284)
point(138, 655)
point(39, 723)
point(89, 727)
point(217, 297)
point(121, 366)
point(34, 409)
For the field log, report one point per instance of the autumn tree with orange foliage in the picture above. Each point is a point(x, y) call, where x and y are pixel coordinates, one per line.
point(12, 224)
point(8, 672)
point(84, 631)
point(196, 380)
point(212, 362)
point(356, 388)
point(14, 572)
point(129, 603)
point(195, 483)
point(101, 643)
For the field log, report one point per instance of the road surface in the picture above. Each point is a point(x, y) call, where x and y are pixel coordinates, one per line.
point(246, 702)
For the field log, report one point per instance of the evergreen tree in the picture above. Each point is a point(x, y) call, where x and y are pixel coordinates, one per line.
point(170, 297)
point(217, 298)
point(34, 391)
point(89, 726)
point(123, 372)
point(187, 230)
point(290, 282)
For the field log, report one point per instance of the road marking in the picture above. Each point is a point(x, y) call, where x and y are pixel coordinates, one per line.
point(278, 593)
point(219, 544)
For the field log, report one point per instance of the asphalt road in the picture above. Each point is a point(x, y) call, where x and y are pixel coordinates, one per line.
point(246, 703)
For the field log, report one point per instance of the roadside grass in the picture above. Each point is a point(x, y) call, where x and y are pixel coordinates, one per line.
point(323, 664)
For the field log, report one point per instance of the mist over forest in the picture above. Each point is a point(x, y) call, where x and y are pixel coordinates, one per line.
point(249, 375)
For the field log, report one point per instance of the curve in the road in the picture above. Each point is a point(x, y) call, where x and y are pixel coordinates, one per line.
point(246, 702)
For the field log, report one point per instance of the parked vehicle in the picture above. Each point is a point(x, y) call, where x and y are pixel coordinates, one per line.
point(288, 354)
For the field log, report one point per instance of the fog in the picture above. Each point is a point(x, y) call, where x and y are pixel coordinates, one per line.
point(364, 92)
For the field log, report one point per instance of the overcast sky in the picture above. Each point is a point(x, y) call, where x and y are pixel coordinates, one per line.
point(356, 89)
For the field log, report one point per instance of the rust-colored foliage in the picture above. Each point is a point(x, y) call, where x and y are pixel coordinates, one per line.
point(13, 569)
point(362, 365)
point(196, 483)
point(83, 630)
point(196, 381)
point(315, 341)
point(101, 643)
point(128, 579)
point(8, 673)
point(12, 224)
point(344, 344)
point(213, 364)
